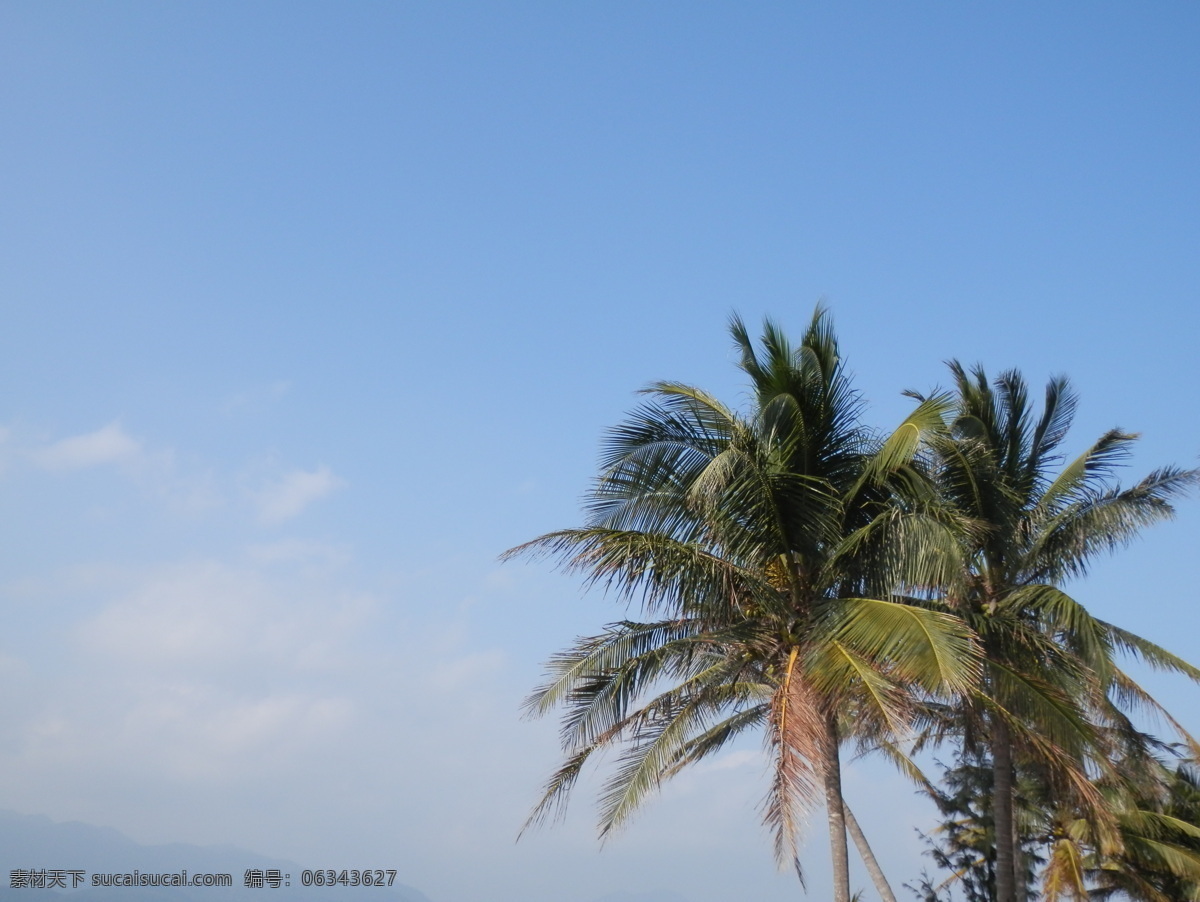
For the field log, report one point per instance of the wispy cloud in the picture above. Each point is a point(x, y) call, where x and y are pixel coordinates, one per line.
point(184, 482)
point(310, 557)
point(187, 487)
point(291, 493)
point(222, 671)
point(256, 398)
point(108, 445)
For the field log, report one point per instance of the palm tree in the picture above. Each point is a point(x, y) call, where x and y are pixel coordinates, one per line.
point(1051, 689)
point(763, 548)
point(964, 842)
point(1159, 820)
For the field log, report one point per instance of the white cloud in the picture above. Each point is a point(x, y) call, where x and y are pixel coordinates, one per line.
point(256, 398)
point(186, 486)
point(309, 557)
point(195, 671)
point(457, 673)
point(208, 616)
point(289, 495)
point(734, 760)
point(107, 445)
point(260, 701)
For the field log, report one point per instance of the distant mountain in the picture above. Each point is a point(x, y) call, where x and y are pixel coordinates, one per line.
point(662, 896)
point(35, 843)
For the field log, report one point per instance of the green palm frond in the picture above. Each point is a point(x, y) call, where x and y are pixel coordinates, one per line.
point(1154, 655)
point(1064, 874)
point(1085, 637)
point(1105, 521)
point(899, 449)
point(594, 657)
point(902, 551)
point(656, 570)
point(1178, 861)
point(1157, 824)
point(930, 649)
point(666, 733)
point(1132, 696)
point(880, 703)
point(553, 803)
point(1058, 411)
point(716, 737)
point(1159, 818)
point(902, 761)
point(1026, 522)
point(1078, 480)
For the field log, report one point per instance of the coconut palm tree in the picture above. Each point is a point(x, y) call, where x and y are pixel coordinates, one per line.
point(764, 549)
point(1154, 801)
point(1159, 820)
point(1052, 691)
point(964, 841)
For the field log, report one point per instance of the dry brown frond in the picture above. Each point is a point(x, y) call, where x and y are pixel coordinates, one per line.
point(794, 736)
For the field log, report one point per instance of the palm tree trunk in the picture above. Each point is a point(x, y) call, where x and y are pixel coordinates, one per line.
point(1019, 884)
point(1002, 811)
point(835, 810)
point(868, 857)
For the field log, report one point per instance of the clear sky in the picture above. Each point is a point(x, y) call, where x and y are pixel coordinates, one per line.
point(310, 310)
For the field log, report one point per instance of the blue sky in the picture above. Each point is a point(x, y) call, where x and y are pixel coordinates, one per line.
point(312, 310)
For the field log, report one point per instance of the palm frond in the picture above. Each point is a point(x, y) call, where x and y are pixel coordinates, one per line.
point(931, 649)
point(1064, 874)
point(1132, 695)
point(1078, 480)
point(666, 732)
point(794, 738)
point(1154, 655)
point(659, 571)
point(1068, 621)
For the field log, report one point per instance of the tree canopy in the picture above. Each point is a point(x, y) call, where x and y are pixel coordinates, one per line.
point(802, 575)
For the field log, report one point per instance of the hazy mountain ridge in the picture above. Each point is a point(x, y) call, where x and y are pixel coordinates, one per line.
point(34, 842)
point(660, 896)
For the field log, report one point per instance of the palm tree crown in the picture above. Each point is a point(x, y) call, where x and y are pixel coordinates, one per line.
point(1052, 691)
point(763, 548)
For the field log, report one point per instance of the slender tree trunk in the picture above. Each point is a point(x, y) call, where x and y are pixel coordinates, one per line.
point(868, 857)
point(1019, 884)
point(835, 810)
point(1002, 810)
